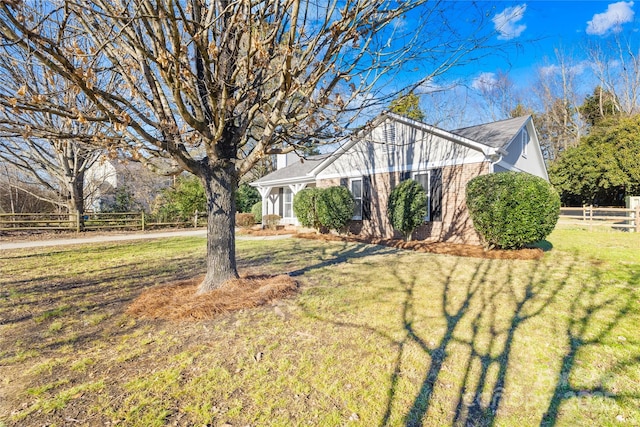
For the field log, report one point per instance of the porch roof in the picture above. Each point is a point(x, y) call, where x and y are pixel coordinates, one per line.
point(297, 172)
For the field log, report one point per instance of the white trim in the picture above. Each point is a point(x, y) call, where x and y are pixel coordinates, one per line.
point(524, 143)
point(368, 128)
point(408, 168)
point(282, 182)
point(287, 191)
point(427, 218)
point(296, 188)
point(351, 180)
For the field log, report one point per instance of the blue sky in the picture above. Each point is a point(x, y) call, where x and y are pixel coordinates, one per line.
point(528, 32)
point(538, 27)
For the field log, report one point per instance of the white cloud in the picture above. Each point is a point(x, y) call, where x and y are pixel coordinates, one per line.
point(506, 22)
point(611, 20)
point(485, 82)
point(575, 69)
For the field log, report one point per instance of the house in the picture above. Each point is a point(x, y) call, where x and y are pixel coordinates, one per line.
point(392, 148)
point(107, 177)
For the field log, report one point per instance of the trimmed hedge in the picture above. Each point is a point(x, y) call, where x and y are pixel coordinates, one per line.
point(304, 207)
point(512, 209)
point(407, 207)
point(334, 206)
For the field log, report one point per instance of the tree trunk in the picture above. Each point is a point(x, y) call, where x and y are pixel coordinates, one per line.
point(75, 202)
point(219, 186)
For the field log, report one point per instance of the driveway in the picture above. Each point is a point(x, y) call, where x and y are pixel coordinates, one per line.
point(102, 238)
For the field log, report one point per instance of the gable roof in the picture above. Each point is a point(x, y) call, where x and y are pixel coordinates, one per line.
point(496, 134)
point(495, 137)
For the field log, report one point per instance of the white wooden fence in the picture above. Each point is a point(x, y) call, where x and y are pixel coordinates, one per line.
point(591, 216)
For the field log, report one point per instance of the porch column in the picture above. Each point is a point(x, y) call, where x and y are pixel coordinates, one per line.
point(264, 193)
point(295, 189)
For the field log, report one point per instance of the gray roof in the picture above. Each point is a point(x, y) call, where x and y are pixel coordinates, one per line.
point(496, 134)
point(298, 169)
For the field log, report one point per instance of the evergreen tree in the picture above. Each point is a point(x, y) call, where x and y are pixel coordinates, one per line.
point(407, 105)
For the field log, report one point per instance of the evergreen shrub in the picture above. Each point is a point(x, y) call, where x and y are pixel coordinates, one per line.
point(407, 207)
point(334, 206)
point(256, 211)
point(304, 207)
point(512, 209)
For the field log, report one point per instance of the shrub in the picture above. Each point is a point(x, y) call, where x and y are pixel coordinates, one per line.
point(334, 206)
point(246, 197)
point(304, 207)
point(182, 200)
point(245, 219)
point(256, 211)
point(407, 207)
point(271, 221)
point(512, 209)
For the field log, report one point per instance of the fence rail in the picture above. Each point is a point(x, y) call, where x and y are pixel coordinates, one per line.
point(623, 218)
point(89, 222)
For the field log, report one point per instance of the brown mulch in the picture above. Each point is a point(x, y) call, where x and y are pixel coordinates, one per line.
point(264, 232)
point(179, 301)
point(456, 249)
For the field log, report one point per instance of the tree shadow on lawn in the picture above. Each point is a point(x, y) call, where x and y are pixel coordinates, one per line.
point(483, 315)
point(594, 316)
point(277, 260)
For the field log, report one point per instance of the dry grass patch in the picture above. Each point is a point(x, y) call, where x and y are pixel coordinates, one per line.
point(442, 248)
point(179, 301)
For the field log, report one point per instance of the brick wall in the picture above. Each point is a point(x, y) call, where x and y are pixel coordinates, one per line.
point(456, 225)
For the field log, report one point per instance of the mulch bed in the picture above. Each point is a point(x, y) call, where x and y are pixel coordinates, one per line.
point(263, 232)
point(456, 249)
point(179, 301)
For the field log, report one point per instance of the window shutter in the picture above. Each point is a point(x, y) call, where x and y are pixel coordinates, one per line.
point(366, 197)
point(281, 202)
point(405, 175)
point(344, 182)
point(436, 195)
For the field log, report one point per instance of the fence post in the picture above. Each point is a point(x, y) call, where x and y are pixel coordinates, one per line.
point(590, 217)
point(142, 220)
point(195, 219)
point(637, 219)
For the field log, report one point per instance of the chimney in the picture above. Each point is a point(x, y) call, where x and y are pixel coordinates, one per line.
point(284, 160)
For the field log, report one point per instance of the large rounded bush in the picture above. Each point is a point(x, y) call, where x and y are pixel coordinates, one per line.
point(334, 206)
point(304, 207)
point(407, 207)
point(512, 209)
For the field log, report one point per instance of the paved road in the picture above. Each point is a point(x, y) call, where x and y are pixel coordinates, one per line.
point(121, 237)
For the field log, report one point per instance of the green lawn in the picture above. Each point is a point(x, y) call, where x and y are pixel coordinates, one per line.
point(375, 336)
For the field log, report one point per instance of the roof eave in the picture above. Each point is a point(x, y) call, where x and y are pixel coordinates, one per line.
point(297, 180)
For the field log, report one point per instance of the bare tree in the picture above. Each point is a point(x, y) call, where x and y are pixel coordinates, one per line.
point(498, 95)
point(558, 122)
point(52, 150)
point(616, 65)
point(219, 85)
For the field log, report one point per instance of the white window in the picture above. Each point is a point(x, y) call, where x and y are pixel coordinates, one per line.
point(287, 203)
point(524, 140)
point(424, 179)
point(356, 192)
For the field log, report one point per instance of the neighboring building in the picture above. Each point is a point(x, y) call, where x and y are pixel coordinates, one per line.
point(393, 148)
point(105, 178)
